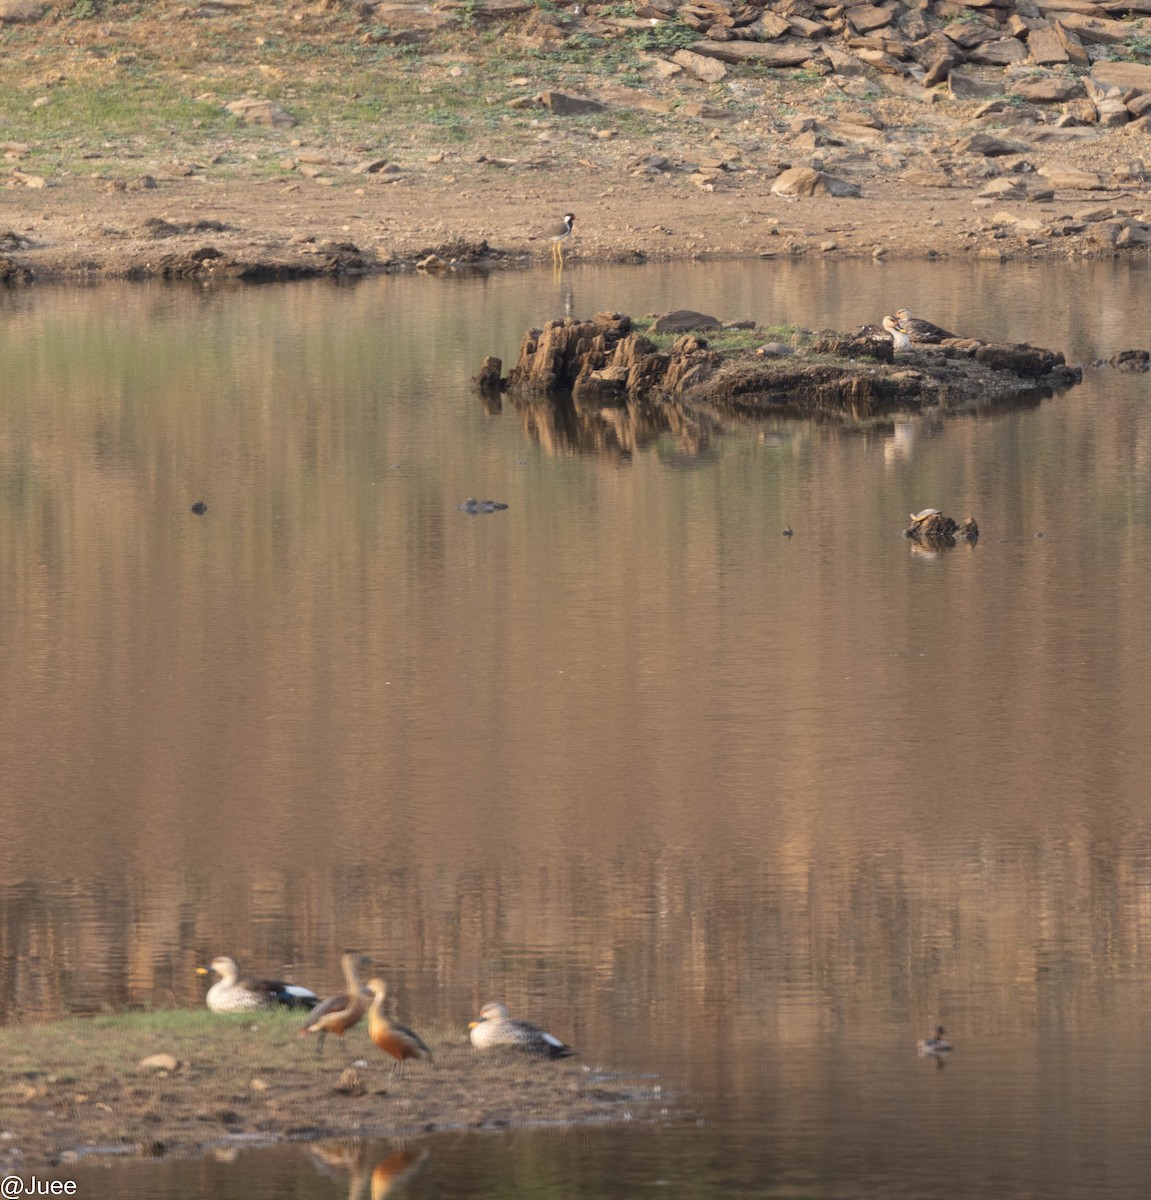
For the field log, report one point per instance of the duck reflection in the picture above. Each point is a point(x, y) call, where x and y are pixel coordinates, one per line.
point(371, 1172)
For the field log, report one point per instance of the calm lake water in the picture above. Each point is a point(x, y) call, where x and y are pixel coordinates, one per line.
point(747, 812)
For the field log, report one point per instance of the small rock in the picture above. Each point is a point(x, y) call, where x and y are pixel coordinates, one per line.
point(260, 112)
point(564, 104)
point(16, 11)
point(351, 1083)
point(806, 181)
point(159, 1062)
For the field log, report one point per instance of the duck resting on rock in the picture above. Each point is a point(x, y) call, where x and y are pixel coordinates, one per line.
point(899, 339)
point(919, 330)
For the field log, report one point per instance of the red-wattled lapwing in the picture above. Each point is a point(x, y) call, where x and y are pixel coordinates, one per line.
point(558, 234)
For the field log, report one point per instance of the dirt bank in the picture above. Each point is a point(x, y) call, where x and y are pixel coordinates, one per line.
point(241, 140)
point(78, 1087)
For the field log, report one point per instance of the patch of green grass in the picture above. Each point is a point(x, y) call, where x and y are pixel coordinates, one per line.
point(728, 340)
point(119, 109)
point(666, 37)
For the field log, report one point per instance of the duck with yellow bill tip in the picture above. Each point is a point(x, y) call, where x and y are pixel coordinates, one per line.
point(231, 994)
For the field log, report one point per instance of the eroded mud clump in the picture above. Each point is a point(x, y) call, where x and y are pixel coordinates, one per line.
point(607, 360)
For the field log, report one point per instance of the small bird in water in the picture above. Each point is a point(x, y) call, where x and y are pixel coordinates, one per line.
point(788, 532)
point(199, 508)
point(495, 1029)
point(933, 1047)
point(899, 338)
point(920, 330)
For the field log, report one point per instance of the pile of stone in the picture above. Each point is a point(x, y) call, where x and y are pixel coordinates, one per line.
point(1064, 51)
point(1086, 55)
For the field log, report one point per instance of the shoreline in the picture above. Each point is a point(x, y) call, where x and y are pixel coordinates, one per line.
point(186, 1082)
point(260, 230)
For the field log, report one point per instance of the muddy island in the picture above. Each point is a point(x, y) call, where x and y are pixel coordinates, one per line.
point(180, 1082)
point(609, 362)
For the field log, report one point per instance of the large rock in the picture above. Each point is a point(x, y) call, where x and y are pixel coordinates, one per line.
point(865, 18)
point(975, 83)
point(261, 112)
point(1123, 75)
point(1051, 89)
point(806, 181)
point(988, 146)
point(764, 54)
point(1000, 53)
point(15, 11)
point(416, 20)
point(1065, 177)
point(1046, 48)
point(699, 66)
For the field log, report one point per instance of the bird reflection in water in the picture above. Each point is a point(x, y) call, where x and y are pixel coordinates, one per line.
point(373, 1174)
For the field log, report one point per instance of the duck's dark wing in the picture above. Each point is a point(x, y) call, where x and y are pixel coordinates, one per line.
point(539, 1041)
point(290, 995)
point(923, 331)
point(415, 1037)
point(333, 1004)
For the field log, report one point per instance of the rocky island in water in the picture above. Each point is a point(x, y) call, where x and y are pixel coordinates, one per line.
point(608, 361)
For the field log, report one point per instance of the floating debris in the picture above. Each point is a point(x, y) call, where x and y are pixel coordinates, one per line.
point(474, 506)
point(934, 528)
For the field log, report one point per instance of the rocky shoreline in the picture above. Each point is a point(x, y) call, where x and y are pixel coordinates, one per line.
point(997, 130)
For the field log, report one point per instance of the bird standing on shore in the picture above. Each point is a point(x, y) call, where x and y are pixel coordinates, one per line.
point(233, 994)
point(496, 1029)
point(337, 1014)
point(392, 1038)
point(558, 234)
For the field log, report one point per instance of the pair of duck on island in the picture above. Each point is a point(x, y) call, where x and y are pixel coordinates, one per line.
point(906, 330)
point(337, 1014)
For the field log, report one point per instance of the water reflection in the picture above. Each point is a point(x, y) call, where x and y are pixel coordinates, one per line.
point(370, 1169)
point(747, 810)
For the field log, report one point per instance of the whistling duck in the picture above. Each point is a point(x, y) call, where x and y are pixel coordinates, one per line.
point(233, 994)
point(920, 330)
point(337, 1014)
point(397, 1040)
point(932, 1047)
point(496, 1029)
point(899, 338)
